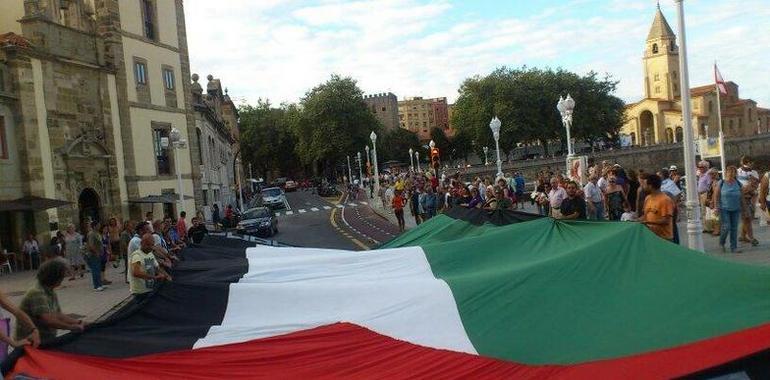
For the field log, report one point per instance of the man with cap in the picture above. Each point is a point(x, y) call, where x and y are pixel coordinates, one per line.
point(669, 187)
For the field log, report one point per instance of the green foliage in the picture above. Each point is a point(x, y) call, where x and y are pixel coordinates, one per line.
point(525, 101)
point(334, 122)
point(395, 145)
point(267, 139)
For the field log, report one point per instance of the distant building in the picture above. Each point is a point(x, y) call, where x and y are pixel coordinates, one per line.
point(420, 116)
point(450, 109)
point(216, 126)
point(385, 108)
point(657, 118)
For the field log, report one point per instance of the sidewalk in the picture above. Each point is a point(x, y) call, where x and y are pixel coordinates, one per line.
point(77, 298)
point(387, 212)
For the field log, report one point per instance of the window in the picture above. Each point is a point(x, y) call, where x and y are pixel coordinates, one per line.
point(711, 106)
point(657, 89)
point(205, 197)
point(673, 47)
point(140, 72)
point(383, 109)
point(162, 157)
point(657, 77)
point(654, 48)
point(168, 79)
point(148, 19)
point(3, 142)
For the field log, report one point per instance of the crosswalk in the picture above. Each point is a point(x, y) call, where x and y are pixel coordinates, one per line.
point(318, 208)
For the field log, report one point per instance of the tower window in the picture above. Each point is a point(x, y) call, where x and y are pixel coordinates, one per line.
point(654, 48)
point(148, 19)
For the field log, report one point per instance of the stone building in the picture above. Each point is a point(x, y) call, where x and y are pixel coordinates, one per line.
point(420, 116)
point(87, 91)
point(385, 108)
point(216, 121)
point(657, 119)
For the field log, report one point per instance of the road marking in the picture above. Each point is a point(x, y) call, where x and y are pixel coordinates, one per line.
point(327, 208)
point(289, 212)
point(363, 202)
point(302, 211)
point(340, 206)
point(352, 204)
point(314, 209)
point(277, 214)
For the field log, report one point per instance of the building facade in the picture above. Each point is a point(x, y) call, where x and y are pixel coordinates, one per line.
point(420, 116)
point(215, 124)
point(88, 97)
point(657, 119)
point(385, 108)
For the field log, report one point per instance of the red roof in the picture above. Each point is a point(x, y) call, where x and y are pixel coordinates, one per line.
point(13, 39)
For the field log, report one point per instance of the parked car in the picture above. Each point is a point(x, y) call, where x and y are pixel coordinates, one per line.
point(280, 182)
point(273, 197)
point(290, 186)
point(258, 221)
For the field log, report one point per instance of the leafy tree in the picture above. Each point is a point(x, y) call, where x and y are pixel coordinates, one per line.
point(333, 122)
point(267, 141)
point(525, 101)
point(396, 143)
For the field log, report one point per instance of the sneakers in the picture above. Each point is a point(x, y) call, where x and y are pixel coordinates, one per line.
point(99, 289)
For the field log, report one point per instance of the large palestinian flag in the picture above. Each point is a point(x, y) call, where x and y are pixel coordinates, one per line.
point(466, 295)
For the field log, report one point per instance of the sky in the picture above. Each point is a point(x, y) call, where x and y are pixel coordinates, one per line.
point(280, 49)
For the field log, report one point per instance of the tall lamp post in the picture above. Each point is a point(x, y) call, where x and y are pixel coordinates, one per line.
point(177, 142)
point(411, 159)
point(565, 107)
point(350, 172)
point(360, 173)
point(486, 159)
point(694, 226)
point(495, 125)
point(368, 163)
point(373, 136)
point(417, 159)
point(240, 187)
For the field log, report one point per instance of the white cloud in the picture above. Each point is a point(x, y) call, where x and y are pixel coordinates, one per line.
point(279, 49)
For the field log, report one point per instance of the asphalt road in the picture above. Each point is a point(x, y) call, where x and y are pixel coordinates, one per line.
point(308, 224)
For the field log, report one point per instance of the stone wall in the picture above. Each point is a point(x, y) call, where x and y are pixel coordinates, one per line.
point(649, 158)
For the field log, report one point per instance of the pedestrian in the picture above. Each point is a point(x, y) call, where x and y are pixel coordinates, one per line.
point(148, 217)
point(520, 185)
point(490, 203)
point(215, 216)
point(115, 228)
point(764, 195)
point(56, 246)
point(615, 198)
point(33, 338)
point(181, 225)
point(573, 207)
point(94, 248)
point(145, 271)
point(41, 304)
point(593, 198)
point(641, 194)
point(633, 190)
point(711, 216)
point(428, 203)
point(31, 251)
point(228, 217)
point(398, 209)
point(748, 196)
point(670, 187)
point(73, 249)
point(555, 196)
point(125, 238)
point(106, 252)
point(476, 200)
point(658, 211)
point(727, 198)
point(502, 202)
point(198, 231)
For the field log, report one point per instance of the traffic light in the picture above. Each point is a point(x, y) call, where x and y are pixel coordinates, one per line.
point(435, 158)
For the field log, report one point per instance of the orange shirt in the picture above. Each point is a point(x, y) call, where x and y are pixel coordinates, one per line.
point(398, 202)
point(657, 206)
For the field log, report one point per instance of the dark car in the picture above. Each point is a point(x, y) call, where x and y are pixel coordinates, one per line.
point(258, 221)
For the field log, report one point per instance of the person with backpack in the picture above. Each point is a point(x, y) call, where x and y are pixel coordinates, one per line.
point(727, 200)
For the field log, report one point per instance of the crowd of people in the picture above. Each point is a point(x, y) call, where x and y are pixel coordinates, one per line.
point(728, 200)
point(148, 249)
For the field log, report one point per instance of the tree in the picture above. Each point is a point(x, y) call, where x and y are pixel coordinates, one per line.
point(525, 100)
point(334, 122)
point(267, 141)
point(396, 143)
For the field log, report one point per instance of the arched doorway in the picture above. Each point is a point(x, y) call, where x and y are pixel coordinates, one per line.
point(669, 136)
point(633, 138)
point(647, 124)
point(679, 134)
point(89, 206)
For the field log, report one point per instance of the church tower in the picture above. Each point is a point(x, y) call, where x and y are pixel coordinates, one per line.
point(661, 61)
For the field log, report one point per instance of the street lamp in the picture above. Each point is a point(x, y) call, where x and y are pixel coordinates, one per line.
point(565, 107)
point(694, 226)
point(411, 159)
point(178, 143)
point(486, 159)
point(495, 125)
point(368, 163)
point(417, 159)
point(360, 173)
point(373, 136)
point(350, 173)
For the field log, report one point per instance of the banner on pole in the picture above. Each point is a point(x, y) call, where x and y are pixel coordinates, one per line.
point(709, 147)
point(577, 167)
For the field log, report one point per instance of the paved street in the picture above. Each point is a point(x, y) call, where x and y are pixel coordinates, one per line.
point(308, 224)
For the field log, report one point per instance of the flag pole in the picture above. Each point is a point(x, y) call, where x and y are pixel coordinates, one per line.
point(694, 225)
point(719, 120)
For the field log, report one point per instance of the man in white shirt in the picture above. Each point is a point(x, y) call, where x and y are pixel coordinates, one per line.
point(31, 250)
point(594, 198)
point(555, 197)
point(144, 269)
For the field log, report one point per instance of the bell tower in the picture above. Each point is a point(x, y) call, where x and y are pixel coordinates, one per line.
point(661, 61)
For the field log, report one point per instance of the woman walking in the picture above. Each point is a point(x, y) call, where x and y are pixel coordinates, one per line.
point(727, 198)
point(73, 249)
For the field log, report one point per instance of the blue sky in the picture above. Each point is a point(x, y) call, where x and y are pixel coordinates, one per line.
point(279, 49)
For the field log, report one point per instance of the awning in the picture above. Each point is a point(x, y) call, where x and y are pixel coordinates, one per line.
point(163, 198)
point(31, 204)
